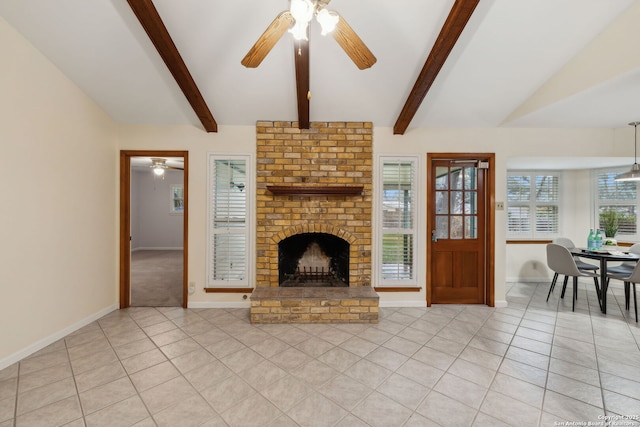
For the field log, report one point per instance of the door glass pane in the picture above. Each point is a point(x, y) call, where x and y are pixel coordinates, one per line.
point(442, 178)
point(456, 227)
point(456, 178)
point(456, 202)
point(471, 227)
point(470, 178)
point(442, 227)
point(442, 202)
point(470, 203)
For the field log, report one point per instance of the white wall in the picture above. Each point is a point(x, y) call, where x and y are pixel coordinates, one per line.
point(153, 226)
point(235, 139)
point(504, 143)
point(58, 227)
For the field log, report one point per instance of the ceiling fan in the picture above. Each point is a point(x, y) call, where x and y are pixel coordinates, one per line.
point(158, 165)
point(296, 20)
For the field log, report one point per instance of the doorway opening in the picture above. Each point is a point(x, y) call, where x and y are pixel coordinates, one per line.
point(153, 228)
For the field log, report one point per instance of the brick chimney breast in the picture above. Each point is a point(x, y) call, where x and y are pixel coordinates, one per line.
point(329, 154)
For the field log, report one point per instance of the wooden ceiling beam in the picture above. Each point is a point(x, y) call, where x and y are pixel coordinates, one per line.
point(150, 20)
point(301, 54)
point(451, 30)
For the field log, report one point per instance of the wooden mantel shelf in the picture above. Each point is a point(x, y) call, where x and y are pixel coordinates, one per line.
point(309, 190)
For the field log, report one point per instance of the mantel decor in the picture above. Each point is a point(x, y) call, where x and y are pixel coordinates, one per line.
point(314, 190)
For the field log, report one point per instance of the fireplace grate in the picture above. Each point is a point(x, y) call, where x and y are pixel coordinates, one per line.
point(309, 276)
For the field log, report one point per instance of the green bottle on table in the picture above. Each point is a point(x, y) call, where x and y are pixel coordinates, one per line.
point(598, 240)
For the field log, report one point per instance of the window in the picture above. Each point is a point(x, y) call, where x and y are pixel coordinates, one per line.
point(228, 228)
point(621, 197)
point(398, 215)
point(177, 198)
point(533, 204)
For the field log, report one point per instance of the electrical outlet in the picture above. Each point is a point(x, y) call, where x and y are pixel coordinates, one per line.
point(499, 206)
point(192, 287)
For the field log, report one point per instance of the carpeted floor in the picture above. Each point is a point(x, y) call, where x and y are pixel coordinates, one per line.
point(156, 278)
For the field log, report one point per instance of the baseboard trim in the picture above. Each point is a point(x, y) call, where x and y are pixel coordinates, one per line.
point(501, 304)
point(406, 304)
point(144, 248)
point(39, 345)
point(220, 304)
point(528, 279)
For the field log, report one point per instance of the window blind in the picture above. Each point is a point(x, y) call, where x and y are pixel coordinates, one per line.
point(398, 219)
point(533, 200)
point(228, 229)
point(618, 196)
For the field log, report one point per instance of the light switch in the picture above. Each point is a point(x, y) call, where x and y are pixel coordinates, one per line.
point(499, 206)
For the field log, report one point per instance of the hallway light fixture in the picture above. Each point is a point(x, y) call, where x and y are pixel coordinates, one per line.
point(634, 173)
point(158, 166)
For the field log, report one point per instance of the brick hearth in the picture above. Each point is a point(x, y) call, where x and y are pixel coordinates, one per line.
point(357, 304)
point(336, 154)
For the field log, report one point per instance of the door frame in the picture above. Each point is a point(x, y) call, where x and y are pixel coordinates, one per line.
point(125, 220)
point(489, 247)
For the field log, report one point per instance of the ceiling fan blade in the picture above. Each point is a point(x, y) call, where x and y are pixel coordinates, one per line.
point(353, 45)
point(268, 39)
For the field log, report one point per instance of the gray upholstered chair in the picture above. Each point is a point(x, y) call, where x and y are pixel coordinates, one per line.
point(629, 279)
point(568, 243)
point(627, 266)
point(561, 261)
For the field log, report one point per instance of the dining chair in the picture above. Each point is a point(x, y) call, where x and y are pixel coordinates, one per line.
point(628, 279)
point(561, 261)
point(627, 266)
point(568, 243)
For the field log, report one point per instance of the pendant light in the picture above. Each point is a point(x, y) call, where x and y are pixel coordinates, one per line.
point(634, 173)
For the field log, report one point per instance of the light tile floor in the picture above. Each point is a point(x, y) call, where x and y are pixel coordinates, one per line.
point(533, 363)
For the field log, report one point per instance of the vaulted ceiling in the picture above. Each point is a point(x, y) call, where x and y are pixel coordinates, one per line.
point(516, 63)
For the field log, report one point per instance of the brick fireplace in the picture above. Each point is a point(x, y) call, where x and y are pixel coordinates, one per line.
point(314, 182)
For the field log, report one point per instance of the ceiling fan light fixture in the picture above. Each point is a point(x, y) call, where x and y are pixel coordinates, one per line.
point(328, 20)
point(634, 173)
point(299, 30)
point(302, 10)
point(158, 166)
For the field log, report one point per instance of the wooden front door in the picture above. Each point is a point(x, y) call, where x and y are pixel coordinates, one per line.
point(458, 226)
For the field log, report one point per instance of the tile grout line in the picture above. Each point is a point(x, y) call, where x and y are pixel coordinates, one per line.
point(73, 375)
point(504, 356)
point(15, 406)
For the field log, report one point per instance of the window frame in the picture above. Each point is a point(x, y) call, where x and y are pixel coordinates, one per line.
point(249, 190)
point(416, 230)
point(532, 204)
point(173, 208)
point(597, 203)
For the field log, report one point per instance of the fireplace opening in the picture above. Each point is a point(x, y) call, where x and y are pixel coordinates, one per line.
point(313, 259)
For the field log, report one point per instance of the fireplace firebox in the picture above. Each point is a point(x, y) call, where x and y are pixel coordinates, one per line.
point(313, 260)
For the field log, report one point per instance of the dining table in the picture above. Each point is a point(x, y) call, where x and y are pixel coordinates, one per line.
point(605, 256)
